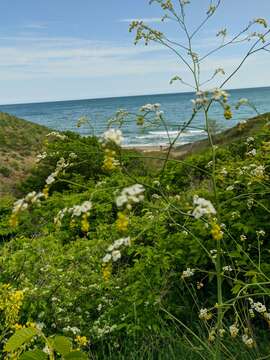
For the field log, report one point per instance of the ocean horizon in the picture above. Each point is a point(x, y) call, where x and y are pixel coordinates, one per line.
point(63, 115)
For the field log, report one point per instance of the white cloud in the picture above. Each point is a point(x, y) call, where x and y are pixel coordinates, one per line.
point(35, 26)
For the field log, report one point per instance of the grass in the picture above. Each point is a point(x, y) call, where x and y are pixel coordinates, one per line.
point(20, 141)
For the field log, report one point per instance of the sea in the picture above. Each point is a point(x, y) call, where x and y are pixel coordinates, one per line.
point(177, 108)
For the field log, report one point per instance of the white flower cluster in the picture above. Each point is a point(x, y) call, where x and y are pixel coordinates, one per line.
point(257, 306)
point(60, 166)
point(204, 97)
point(113, 135)
point(150, 107)
point(204, 314)
point(130, 195)
point(73, 329)
point(22, 204)
point(41, 156)
point(227, 268)
point(113, 252)
point(234, 330)
point(187, 273)
point(248, 341)
point(202, 207)
point(57, 135)
point(76, 210)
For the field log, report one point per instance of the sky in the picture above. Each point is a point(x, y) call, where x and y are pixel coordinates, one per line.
point(80, 49)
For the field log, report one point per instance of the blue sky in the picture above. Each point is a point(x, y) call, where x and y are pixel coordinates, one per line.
point(72, 49)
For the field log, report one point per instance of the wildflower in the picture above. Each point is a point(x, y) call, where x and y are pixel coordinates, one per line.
point(57, 135)
point(248, 341)
point(122, 222)
point(216, 232)
point(150, 107)
point(259, 307)
point(202, 207)
point(252, 152)
point(114, 136)
point(81, 340)
point(222, 332)
point(234, 330)
point(228, 113)
point(260, 233)
point(212, 335)
point(243, 237)
point(106, 272)
point(116, 255)
point(110, 162)
point(205, 315)
point(199, 285)
point(227, 268)
point(230, 188)
point(41, 156)
point(218, 94)
point(107, 258)
point(130, 195)
point(187, 273)
point(85, 223)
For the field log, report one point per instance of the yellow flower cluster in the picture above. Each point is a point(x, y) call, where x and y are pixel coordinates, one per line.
point(10, 303)
point(110, 163)
point(106, 272)
point(122, 222)
point(81, 340)
point(228, 113)
point(85, 226)
point(216, 232)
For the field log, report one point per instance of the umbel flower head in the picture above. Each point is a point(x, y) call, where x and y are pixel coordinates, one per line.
point(202, 207)
point(113, 135)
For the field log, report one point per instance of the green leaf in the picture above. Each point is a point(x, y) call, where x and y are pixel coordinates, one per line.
point(34, 355)
point(20, 337)
point(76, 355)
point(62, 345)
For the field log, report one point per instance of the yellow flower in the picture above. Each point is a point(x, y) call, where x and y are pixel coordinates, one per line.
point(216, 232)
point(13, 221)
point(81, 340)
point(106, 272)
point(84, 223)
point(46, 192)
point(228, 113)
point(122, 222)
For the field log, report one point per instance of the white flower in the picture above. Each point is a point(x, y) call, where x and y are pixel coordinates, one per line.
point(107, 258)
point(116, 255)
point(187, 273)
point(217, 94)
point(259, 307)
point(249, 342)
point(227, 268)
point(234, 330)
point(130, 195)
point(150, 107)
point(50, 179)
point(252, 152)
point(204, 314)
point(202, 207)
point(243, 237)
point(113, 135)
point(260, 233)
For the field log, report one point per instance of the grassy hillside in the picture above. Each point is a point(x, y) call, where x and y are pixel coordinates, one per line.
point(20, 141)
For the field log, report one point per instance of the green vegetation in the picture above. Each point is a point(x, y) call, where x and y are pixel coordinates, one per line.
point(142, 303)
